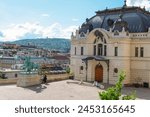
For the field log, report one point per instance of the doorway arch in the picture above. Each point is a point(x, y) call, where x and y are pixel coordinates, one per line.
point(99, 73)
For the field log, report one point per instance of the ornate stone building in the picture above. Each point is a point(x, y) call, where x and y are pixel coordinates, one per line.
point(111, 41)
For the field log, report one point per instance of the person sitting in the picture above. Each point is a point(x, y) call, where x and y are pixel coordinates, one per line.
point(44, 79)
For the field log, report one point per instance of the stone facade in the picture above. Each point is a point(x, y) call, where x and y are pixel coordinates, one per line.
point(115, 51)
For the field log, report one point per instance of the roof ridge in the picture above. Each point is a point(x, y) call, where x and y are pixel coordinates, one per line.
point(122, 9)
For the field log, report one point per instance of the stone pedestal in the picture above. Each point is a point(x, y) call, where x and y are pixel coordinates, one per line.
point(26, 82)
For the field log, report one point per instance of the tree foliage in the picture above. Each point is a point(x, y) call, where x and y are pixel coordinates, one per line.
point(114, 93)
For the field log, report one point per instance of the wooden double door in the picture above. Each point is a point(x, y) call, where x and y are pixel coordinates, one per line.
point(99, 73)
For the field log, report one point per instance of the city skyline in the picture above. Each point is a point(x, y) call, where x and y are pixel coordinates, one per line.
point(47, 18)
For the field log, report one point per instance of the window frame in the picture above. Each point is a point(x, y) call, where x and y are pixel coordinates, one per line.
point(75, 51)
point(94, 50)
point(105, 50)
point(141, 51)
point(100, 49)
point(116, 51)
point(136, 51)
point(82, 50)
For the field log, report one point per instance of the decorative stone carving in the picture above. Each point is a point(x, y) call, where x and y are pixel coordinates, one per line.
point(97, 33)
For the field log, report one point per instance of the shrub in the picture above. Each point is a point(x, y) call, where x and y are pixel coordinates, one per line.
point(114, 93)
point(68, 70)
point(131, 96)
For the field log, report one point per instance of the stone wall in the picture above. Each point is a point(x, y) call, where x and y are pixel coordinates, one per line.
point(121, 65)
point(8, 81)
point(32, 80)
point(140, 71)
point(135, 67)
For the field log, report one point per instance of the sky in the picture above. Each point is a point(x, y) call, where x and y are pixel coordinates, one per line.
point(28, 19)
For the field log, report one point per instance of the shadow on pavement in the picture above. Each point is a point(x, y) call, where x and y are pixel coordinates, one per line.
point(141, 93)
point(38, 88)
point(79, 83)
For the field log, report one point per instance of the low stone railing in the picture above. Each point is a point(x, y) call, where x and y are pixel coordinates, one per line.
point(8, 81)
point(58, 77)
point(30, 81)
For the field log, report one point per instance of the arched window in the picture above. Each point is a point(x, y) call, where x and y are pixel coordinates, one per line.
point(100, 49)
point(100, 46)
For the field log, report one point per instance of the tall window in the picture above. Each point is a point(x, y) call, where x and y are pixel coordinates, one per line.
point(100, 44)
point(82, 50)
point(100, 49)
point(75, 50)
point(136, 51)
point(116, 51)
point(94, 50)
point(141, 52)
point(105, 50)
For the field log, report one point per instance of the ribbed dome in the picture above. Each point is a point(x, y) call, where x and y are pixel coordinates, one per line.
point(136, 19)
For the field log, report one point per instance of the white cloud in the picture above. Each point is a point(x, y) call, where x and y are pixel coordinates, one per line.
point(141, 3)
point(45, 15)
point(56, 30)
point(35, 30)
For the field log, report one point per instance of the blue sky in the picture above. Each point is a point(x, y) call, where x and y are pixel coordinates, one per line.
point(47, 18)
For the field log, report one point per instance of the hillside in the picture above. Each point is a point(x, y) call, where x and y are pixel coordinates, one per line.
point(50, 43)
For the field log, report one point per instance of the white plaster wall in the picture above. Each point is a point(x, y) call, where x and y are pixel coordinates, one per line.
point(76, 63)
point(121, 65)
point(141, 43)
point(140, 69)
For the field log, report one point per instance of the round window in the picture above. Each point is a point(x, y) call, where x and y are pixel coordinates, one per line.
point(115, 70)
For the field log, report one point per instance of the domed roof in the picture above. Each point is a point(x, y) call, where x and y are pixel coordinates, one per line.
point(135, 19)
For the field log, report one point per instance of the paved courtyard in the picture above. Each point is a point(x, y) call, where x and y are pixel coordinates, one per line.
point(61, 90)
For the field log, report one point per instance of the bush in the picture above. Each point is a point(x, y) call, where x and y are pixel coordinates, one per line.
point(68, 70)
point(114, 93)
point(131, 96)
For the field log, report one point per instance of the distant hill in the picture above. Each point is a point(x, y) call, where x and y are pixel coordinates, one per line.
point(50, 43)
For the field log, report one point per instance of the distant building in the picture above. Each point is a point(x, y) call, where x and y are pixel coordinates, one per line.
point(111, 41)
point(8, 52)
point(9, 62)
point(9, 46)
point(10, 74)
point(28, 47)
point(41, 60)
point(62, 60)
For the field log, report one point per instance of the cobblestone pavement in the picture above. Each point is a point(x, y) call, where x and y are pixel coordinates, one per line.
point(61, 90)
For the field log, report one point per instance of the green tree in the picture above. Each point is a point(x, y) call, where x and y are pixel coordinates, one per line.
point(114, 93)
